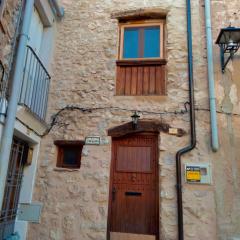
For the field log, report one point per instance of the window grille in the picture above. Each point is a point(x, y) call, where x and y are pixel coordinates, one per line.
point(8, 213)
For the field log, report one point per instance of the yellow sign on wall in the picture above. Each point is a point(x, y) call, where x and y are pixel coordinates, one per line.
point(193, 174)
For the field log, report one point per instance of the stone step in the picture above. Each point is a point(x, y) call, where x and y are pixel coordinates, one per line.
point(130, 236)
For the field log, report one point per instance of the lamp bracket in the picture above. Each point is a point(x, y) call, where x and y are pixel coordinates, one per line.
point(224, 50)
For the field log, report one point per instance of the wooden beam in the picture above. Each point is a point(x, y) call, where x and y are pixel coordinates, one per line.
point(153, 126)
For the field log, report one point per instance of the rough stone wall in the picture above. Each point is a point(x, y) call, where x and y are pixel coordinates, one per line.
point(75, 202)
point(227, 166)
point(8, 25)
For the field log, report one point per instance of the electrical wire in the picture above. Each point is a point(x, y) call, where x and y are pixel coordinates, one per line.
point(90, 110)
point(54, 118)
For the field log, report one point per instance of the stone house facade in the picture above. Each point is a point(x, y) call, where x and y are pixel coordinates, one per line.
point(27, 32)
point(84, 102)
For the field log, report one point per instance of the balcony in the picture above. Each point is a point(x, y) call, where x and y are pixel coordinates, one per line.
point(35, 85)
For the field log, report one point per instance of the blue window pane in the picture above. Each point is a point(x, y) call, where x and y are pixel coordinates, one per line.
point(130, 49)
point(152, 42)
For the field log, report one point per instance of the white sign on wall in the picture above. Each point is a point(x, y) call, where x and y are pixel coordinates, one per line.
point(94, 140)
point(198, 173)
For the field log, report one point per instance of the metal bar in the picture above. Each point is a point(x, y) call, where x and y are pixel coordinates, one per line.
point(225, 64)
point(23, 88)
point(46, 99)
point(35, 88)
point(34, 82)
point(44, 93)
point(28, 67)
point(11, 168)
point(222, 57)
point(192, 143)
point(39, 96)
point(211, 84)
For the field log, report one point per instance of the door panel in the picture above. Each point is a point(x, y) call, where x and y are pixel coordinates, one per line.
point(134, 186)
point(133, 159)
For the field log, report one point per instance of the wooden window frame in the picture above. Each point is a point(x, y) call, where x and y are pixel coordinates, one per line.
point(142, 24)
point(64, 145)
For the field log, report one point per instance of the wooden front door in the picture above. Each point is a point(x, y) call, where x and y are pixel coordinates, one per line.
point(133, 207)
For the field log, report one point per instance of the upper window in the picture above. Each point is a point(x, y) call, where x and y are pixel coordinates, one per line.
point(141, 41)
point(141, 61)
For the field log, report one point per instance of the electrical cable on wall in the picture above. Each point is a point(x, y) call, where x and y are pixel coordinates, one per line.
point(90, 110)
point(55, 122)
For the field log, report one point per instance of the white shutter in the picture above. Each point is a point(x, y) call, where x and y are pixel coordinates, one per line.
point(36, 32)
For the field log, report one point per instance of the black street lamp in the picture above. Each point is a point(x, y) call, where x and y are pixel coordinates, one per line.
point(229, 43)
point(135, 117)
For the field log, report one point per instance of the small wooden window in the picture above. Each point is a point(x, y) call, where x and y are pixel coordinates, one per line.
point(141, 64)
point(69, 153)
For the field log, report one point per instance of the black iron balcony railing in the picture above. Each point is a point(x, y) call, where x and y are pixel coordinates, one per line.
point(35, 85)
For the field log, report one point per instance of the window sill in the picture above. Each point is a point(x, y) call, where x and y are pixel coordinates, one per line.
point(143, 98)
point(58, 169)
point(141, 62)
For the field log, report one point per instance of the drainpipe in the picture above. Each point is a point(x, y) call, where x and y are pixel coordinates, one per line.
point(212, 98)
point(192, 124)
point(59, 10)
point(5, 147)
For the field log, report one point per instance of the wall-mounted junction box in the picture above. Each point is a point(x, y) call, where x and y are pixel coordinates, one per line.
point(198, 173)
point(30, 212)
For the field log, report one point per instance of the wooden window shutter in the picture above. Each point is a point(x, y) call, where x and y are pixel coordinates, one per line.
point(137, 78)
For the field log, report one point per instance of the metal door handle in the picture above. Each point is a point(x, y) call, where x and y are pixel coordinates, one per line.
point(114, 193)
